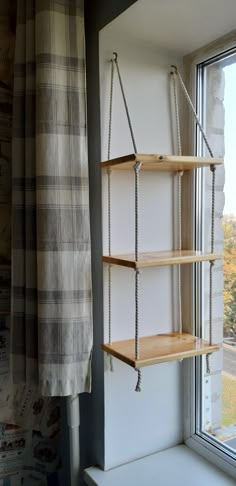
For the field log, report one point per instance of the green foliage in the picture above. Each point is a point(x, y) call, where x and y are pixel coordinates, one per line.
point(229, 225)
point(228, 400)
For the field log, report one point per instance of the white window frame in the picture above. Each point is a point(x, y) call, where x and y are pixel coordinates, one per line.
point(204, 444)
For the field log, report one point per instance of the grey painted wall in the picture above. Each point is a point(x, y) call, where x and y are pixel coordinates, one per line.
point(98, 13)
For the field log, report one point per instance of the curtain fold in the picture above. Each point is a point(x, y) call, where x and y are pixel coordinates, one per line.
point(51, 330)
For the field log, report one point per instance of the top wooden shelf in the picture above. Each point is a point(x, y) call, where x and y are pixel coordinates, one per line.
point(165, 163)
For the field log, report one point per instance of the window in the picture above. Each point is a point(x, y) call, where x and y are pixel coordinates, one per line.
point(214, 417)
point(218, 407)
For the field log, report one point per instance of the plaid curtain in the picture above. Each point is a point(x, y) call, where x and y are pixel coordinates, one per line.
point(51, 332)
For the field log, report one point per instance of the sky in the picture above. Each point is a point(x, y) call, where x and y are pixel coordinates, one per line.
point(230, 139)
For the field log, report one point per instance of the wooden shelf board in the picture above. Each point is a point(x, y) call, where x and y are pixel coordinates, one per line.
point(159, 349)
point(160, 162)
point(161, 258)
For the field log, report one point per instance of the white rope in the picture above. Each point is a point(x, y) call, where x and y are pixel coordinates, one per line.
point(136, 204)
point(213, 170)
point(137, 273)
point(177, 114)
point(138, 385)
point(136, 170)
point(109, 212)
point(180, 174)
point(176, 72)
point(114, 62)
point(192, 109)
point(109, 266)
point(137, 167)
point(110, 110)
point(125, 102)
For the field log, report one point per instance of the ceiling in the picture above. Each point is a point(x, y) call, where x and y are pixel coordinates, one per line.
point(178, 25)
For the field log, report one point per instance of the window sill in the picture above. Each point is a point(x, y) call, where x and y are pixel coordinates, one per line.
point(178, 465)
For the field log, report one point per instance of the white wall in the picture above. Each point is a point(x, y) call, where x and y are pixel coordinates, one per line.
point(137, 424)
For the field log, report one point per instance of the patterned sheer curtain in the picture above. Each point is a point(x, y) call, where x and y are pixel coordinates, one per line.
point(51, 331)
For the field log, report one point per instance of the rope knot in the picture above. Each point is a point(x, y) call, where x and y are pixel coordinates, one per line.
point(212, 168)
point(137, 166)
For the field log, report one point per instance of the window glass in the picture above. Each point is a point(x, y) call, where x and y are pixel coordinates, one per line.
point(218, 389)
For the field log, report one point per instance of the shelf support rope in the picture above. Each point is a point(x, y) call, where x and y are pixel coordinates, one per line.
point(114, 63)
point(175, 70)
point(137, 167)
point(176, 73)
point(109, 267)
point(180, 174)
point(213, 171)
point(109, 210)
point(137, 274)
point(176, 101)
point(125, 102)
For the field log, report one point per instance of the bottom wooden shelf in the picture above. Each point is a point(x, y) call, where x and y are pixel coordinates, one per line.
point(159, 348)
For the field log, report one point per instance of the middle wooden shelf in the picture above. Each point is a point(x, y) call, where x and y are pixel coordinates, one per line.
point(159, 349)
point(161, 258)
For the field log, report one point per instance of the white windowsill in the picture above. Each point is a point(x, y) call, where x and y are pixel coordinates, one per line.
point(173, 467)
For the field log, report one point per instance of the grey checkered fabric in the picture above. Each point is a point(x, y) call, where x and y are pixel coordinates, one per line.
point(51, 335)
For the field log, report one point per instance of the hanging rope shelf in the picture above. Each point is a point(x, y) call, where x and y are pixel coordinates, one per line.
point(145, 351)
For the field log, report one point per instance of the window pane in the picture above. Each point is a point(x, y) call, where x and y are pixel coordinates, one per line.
point(218, 416)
